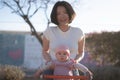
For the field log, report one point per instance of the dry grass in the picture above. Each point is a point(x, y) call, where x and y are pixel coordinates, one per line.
point(10, 72)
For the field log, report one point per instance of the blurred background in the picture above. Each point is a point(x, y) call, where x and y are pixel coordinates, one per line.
point(23, 21)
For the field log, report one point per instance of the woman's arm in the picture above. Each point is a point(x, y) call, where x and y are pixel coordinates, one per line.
point(46, 54)
point(81, 44)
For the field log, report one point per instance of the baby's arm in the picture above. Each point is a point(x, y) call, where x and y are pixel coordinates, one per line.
point(81, 67)
point(42, 68)
point(84, 69)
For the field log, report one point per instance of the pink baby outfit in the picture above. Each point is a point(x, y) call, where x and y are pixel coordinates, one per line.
point(63, 68)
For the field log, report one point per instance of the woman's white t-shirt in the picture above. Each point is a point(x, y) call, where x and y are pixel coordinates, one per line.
point(69, 38)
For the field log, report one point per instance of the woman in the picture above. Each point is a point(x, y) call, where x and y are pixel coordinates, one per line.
point(62, 15)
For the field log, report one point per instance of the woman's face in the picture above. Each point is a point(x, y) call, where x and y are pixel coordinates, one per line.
point(62, 16)
point(62, 56)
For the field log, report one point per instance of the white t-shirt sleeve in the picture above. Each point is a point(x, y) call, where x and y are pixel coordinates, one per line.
point(80, 33)
point(46, 33)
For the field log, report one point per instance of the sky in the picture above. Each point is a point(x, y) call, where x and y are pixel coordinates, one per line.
point(91, 16)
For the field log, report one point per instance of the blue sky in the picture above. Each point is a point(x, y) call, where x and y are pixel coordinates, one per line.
point(92, 16)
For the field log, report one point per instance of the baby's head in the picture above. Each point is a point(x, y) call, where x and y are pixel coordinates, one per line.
point(62, 53)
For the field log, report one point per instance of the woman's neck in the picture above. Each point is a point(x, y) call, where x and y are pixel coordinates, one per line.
point(64, 28)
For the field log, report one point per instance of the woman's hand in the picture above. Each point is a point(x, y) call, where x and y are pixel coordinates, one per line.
point(47, 57)
point(78, 58)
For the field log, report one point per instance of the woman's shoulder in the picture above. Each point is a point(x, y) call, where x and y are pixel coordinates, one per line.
point(50, 29)
point(76, 29)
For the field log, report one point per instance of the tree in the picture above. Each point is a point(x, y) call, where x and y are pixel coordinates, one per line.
point(26, 9)
point(105, 45)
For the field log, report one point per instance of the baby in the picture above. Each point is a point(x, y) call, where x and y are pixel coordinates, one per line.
point(64, 65)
